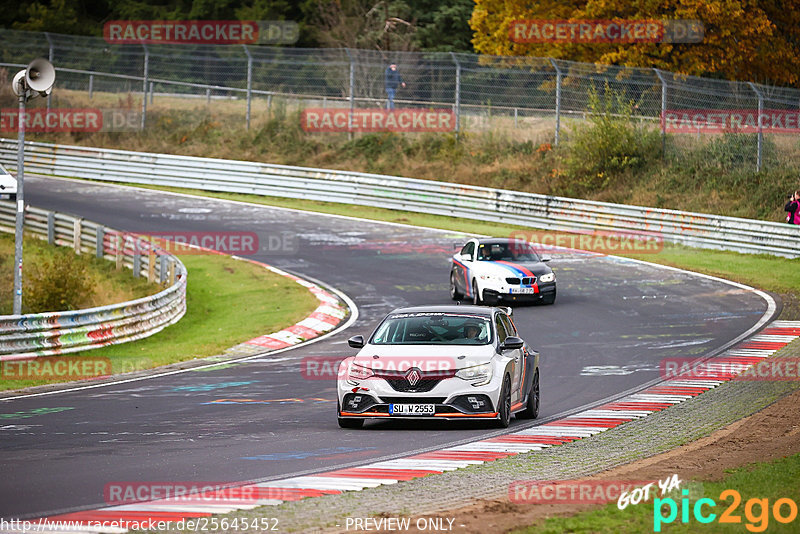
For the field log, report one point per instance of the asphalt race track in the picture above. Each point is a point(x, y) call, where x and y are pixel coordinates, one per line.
point(612, 324)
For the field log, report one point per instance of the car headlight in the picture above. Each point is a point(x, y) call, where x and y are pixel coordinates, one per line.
point(358, 372)
point(477, 374)
point(549, 277)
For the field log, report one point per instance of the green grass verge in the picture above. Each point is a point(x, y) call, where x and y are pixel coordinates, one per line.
point(228, 302)
point(770, 273)
point(770, 481)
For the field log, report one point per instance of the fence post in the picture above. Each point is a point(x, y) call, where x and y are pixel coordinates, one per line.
point(558, 101)
point(51, 228)
point(77, 228)
point(118, 259)
point(151, 92)
point(50, 56)
point(100, 234)
point(663, 113)
point(458, 92)
point(91, 86)
point(144, 83)
point(352, 94)
point(760, 129)
point(137, 260)
point(249, 84)
point(151, 266)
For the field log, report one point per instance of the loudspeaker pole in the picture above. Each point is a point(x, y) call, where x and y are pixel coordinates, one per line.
point(20, 206)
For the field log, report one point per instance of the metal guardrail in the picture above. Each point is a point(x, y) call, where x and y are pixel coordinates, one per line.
point(423, 196)
point(43, 334)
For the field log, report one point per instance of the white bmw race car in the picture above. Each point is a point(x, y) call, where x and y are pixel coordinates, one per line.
point(448, 362)
point(501, 270)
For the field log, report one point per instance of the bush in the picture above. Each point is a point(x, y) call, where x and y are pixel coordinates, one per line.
point(58, 283)
point(609, 145)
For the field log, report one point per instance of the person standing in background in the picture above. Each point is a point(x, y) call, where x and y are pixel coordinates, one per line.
point(792, 208)
point(392, 80)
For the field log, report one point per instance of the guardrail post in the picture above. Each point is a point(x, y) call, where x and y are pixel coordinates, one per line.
point(51, 228)
point(100, 235)
point(77, 227)
point(249, 84)
point(352, 94)
point(144, 83)
point(760, 129)
point(663, 113)
point(162, 268)
point(151, 266)
point(458, 93)
point(91, 86)
point(118, 257)
point(171, 271)
point(558, 101)
point(137, 261)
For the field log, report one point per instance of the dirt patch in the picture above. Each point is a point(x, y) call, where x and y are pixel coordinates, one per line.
point(767, 435)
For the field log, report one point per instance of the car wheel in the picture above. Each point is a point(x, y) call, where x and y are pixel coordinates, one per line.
point(347, 422)
point(504, 408)
point(476, 296)
point(454, 293)
point(531, 410)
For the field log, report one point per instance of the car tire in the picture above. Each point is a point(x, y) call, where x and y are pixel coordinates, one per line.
point(454, 293)
point(476, 295)
point(531, 410)
point(347, 422)
point(504, 404)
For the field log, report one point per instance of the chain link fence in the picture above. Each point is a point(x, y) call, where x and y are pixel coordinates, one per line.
point(741, 124)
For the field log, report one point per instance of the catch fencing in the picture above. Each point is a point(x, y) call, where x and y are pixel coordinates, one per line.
point(422, 196)
point(43, 334)
point(538, 96)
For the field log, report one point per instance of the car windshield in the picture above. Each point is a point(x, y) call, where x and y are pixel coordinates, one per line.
point(433, 329)
point(510, 251)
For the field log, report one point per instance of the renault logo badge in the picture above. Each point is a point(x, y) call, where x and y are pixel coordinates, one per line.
point(413, 377)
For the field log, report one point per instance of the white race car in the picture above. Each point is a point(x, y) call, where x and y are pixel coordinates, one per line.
point(8, 185)
point(449, 362)
point(500, 270)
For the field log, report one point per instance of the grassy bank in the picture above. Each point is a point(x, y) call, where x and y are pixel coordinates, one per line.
point(762, 482)
point(56, 279)
point(228, 302)
point(604, 160)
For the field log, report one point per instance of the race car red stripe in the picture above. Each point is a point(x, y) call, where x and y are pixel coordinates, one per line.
point(526, 271)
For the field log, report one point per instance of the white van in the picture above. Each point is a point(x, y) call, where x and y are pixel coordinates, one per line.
point(8, 185)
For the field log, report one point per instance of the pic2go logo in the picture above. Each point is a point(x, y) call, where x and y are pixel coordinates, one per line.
point(756, 511)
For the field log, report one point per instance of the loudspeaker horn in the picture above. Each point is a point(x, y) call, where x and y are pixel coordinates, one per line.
point(40, 76)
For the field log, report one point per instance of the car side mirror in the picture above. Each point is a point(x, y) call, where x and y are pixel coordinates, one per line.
point(545, 259)
point(512, 343)
point(466, 257)
point(356, 342)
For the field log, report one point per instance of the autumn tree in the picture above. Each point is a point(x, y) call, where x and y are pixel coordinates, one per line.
point(755, 40)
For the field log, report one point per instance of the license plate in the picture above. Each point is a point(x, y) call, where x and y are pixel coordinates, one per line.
point(412, 409)
point(523, 290)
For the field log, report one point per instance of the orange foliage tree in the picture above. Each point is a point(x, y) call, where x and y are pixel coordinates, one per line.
point(753, 40)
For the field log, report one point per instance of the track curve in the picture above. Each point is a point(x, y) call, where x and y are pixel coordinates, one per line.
point(613, 323)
